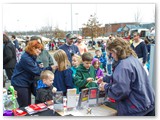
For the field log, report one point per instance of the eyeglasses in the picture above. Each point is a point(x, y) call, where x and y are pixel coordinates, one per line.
point(135, 36)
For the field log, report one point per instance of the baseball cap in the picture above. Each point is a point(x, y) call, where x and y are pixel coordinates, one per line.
point(70, 36)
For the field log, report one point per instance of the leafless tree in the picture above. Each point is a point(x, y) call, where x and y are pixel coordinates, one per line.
point(57, 33)
point(46, 31)
point(92, 27)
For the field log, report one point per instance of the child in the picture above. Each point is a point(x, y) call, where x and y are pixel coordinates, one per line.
point(104, 64)
point(102, 59)
point(96, 64)
point(63, 74)
point(45, 88)
point(76, 61)
point(85, 75)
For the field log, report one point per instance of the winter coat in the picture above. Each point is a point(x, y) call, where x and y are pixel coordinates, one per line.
point(141, 50)
point(45, 58)
point(63, 80)
point(70, 50)
point(26, 70)
point(9, 55)
point(43, 92)
point(131, 88)
point(80, 79)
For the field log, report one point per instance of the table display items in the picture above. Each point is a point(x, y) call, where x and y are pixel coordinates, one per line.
point(83, 99)
point(93, 96)
point(101, 97)
point(18, 112)
point(71, 98)
point(7, 113)
point(58, 101)
point(34, 108)
point(9, 99)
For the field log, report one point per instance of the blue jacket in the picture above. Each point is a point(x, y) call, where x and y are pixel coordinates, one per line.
point(131, 88)
point(16, 43)
point(25, 71)
point(63, 80)
point(102, 59)
point(141, 51)
point(73, 49)
point(44, 92)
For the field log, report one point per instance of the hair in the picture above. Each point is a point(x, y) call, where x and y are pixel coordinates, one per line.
point(78, 58)
point(121, 47)
point(97, 51)
point(36, 38)
point(87, 56)
point(39, 39)
point(13, 36)
point(5, 38)
point(136, 33)
point(62, 60)
point(45, 74)
point(32, 45)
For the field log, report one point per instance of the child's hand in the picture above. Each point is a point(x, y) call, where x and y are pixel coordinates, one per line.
point(89, 79)
point(100, 80)
point(54, 89)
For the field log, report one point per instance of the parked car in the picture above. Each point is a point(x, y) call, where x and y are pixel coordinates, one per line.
point(143, 32)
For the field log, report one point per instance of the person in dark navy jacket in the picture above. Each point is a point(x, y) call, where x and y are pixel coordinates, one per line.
point(9, 56)
point(25, 71)
point(69, 48)
point(129, 85)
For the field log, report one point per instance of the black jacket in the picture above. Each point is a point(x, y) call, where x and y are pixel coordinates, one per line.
point(9, 55)
point(44, 94)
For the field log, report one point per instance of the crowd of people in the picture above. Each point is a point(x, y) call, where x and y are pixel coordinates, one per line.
point(118, 68)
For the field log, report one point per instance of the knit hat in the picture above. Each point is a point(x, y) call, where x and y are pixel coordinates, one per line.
point(94, 60)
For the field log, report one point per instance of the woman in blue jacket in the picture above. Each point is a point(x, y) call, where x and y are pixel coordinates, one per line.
point(129, 85)
point(25, 71)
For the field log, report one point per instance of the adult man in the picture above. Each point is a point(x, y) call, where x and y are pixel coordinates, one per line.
point(15, 41)
point(81, 46)
point(139, 47)
point(9, 56)
point(69, 47)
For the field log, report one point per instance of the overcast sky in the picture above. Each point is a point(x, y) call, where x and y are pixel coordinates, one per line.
point(24, 17)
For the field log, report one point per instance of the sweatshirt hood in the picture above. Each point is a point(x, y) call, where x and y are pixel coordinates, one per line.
point(82, 68)
point(40, 84)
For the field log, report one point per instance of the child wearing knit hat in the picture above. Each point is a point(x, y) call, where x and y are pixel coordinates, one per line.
point(96, 64)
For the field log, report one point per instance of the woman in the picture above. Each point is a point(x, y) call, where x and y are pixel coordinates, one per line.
point(129, 85)
point(44, 57)
point(25, 71)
